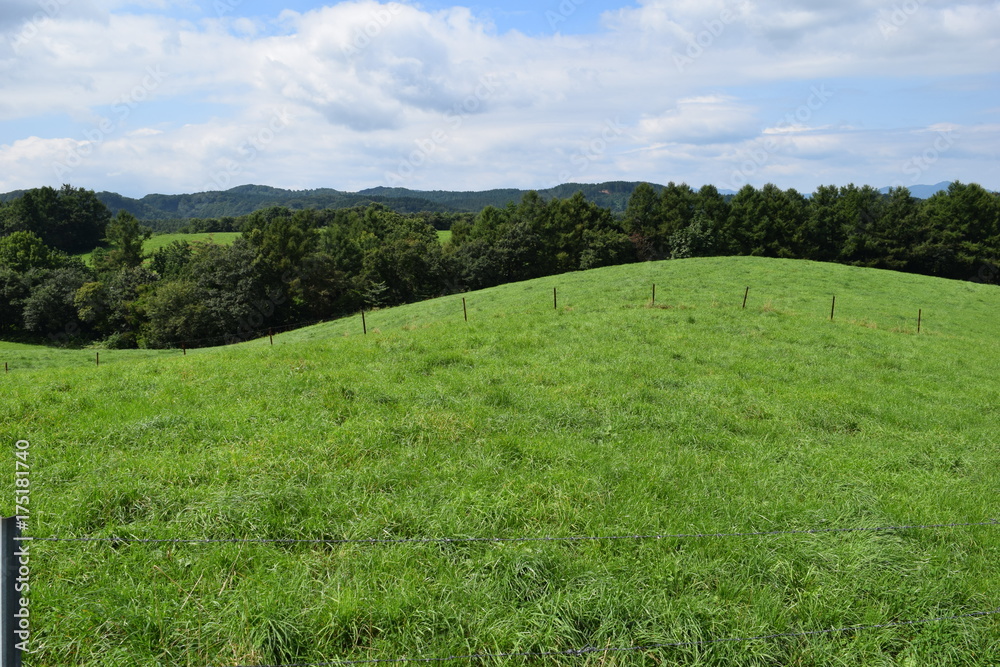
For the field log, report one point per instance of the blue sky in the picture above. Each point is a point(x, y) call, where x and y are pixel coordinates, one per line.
point(530, 18)
point(183, 96)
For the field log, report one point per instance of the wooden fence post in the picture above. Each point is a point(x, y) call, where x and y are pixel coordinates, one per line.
point(465, 311)
point(833, 306)
point(745, 295)
point(920, 317)
point(364, 325)
point(555, 301)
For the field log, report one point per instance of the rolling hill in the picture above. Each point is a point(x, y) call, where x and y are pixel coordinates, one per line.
point(771, 477)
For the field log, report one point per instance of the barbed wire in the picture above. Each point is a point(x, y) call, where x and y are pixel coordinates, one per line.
point(635, 649)
point(226, 340)
point(243, 336)
point(253, 334)
point(454, 540)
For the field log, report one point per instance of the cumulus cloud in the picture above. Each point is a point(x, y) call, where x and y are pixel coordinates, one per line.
point(701, 120)
point(369, 93)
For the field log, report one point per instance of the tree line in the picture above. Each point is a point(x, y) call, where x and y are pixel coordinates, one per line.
point(954, 234)
point(290, 266)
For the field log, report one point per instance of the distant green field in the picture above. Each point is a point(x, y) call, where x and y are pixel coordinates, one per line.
point(606, 416)
point(161, 240)
point(444, 235)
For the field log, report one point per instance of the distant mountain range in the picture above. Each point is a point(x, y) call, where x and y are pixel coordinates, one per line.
point(922, 191)
point(245, 199)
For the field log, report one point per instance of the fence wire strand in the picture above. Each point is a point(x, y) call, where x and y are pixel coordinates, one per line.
point(459, 540)
point(636, 649)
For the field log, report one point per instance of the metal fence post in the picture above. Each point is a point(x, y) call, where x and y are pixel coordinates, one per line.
point(10, 652)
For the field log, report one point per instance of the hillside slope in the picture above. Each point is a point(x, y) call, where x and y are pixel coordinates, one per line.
point(606, 416)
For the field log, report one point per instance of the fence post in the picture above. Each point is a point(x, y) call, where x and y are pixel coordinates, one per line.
point(10, 652)
point(555, 301)
point(465, 310)
point(920, 317)
point(833, 305)
point(654, 294)
point(745, 295)
point(364, 325)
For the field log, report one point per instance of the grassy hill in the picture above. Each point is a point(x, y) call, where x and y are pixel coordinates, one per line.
point(608, 416)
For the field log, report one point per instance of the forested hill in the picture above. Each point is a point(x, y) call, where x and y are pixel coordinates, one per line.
point(245, 199)
point(613, 195)
point(168, 213)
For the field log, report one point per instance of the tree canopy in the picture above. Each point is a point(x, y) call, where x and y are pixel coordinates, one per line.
point(68, 219)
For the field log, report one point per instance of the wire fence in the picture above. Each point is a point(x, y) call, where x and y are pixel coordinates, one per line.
point(576, 652)
point(457, 540)
point(244, 335)
point(585, 650)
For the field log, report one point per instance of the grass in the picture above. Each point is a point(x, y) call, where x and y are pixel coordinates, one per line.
point(605, 417)
point(162, 240)
point(444, 235)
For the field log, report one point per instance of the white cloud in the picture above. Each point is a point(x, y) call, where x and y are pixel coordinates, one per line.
point(375, 92)
point(698, 120)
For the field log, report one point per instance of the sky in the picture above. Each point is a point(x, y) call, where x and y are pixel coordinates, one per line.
point(158, 96)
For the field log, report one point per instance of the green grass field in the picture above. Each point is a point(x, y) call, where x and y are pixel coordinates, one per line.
point(605, 417)
point(444, 235)
point(161, 240)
